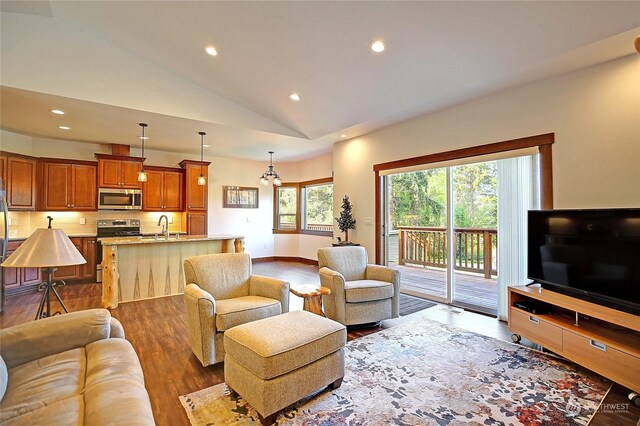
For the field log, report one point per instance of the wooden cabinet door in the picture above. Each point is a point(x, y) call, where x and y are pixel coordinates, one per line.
point(11, 277)
point(196, 194)
point(109, 175)
point(31, 276)
point(197, 223)
point(89, 251)
point(70, 272)
point(21, 183)
point(129, 174)
point(3, 170)
point(172, 191)
point(83, 187)
point(56, 186)
point(152, 191)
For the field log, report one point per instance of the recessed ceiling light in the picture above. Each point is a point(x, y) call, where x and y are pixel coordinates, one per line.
point(57, 111)
point(211, 50)
point(294, 97)
point(64, 127)
point(343, 136)
point(377, 46)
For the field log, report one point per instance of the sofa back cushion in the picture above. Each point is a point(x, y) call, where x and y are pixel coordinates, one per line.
point(4, 378)
point(224, 275)
point(350, 261)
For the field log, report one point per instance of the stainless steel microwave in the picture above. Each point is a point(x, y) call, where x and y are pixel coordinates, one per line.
point(119, 199)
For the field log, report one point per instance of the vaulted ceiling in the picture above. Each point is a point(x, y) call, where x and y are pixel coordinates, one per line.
point(110, 65)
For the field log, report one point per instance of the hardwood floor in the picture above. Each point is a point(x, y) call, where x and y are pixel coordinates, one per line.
point(157, 330)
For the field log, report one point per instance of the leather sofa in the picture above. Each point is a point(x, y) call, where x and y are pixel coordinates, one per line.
point(75, 369)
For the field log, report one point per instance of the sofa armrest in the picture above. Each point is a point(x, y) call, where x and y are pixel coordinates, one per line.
point(116, 329)
point(334, 303)
point(272, 288)
point(33, 340)
point(201, 322)
point(390, 275)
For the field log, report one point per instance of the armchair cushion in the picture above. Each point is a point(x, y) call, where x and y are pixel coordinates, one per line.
point(224, 275)
point(239, 310)
point(367, 291)
point(351, 262)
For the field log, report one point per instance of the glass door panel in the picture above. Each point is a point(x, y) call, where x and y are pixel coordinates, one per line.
point(475, 219)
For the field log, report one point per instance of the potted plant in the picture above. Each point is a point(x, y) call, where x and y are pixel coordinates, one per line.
point(346, 220)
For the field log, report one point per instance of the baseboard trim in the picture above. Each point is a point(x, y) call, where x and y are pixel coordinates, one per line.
point(285, 259)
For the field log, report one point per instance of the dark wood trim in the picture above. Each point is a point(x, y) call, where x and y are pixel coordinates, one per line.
point(120, 150)
point(118, 157)
point(275, 208)
point(184, 163)
point(67, 161)
point(316, 182)
point(285, 259)
point(14, 154)
point(317, 233)
point(546, 177)
point(378, 219)
point(492, 148)
point(544, 143)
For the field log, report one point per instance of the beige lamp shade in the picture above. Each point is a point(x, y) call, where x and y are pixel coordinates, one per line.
point(47, 247)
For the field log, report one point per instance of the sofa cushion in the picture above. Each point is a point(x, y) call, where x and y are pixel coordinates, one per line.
point(351, 262)
point(274, 346)
point(240, 310)
point(4, 378)
point(367, 291)
point(44, 382)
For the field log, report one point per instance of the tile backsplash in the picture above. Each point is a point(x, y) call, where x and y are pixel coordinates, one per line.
point(22, 224)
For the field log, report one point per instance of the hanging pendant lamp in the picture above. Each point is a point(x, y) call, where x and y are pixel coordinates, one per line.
point(142, 175)
point(201, 179)
point(270, 173)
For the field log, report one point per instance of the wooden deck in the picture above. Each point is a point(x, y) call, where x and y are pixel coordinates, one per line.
point(471, 290)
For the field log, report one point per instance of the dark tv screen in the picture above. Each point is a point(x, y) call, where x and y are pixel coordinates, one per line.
point(591, 254)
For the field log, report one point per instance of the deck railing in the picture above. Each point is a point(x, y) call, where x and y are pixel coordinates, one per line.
point(475, 248)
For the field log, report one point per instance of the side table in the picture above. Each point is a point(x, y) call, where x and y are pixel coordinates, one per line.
point(312, 295)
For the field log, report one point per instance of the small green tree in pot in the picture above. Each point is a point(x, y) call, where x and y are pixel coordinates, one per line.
point(346, 220)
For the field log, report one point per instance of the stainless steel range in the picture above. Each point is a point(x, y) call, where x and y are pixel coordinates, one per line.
point(115, 228)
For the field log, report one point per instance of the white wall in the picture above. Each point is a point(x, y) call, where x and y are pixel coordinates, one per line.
point(302, 245)
point(594, 113)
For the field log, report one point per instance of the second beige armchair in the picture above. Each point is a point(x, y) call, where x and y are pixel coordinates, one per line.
point(221, 293)
point(360, 293)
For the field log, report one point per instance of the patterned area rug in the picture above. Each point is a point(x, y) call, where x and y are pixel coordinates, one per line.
point(428, 373)
point(410, 304)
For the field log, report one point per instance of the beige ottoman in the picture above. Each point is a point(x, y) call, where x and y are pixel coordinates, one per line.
point(276, 361)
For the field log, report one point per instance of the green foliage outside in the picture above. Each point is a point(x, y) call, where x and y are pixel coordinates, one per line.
point(419, 198)
point(319, 203)
point(287, 205)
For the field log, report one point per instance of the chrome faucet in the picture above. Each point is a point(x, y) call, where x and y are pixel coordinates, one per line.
point(165, 226)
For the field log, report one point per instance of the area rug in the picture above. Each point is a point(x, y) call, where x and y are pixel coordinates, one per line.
point(411, 304)
point(428, 373)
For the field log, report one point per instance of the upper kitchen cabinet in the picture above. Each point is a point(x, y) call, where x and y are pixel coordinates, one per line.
point(196, 195)
point(68, 185)
point(163, 189)
point(19, 171)
point(118, 171)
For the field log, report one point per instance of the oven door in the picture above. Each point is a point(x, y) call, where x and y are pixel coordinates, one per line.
point(119, 199)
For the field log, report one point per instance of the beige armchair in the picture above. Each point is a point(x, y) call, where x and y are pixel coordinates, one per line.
point(220, 294)
point(360, 293)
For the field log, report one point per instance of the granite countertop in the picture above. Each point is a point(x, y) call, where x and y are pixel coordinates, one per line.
point(21, 238)
point(116, 241)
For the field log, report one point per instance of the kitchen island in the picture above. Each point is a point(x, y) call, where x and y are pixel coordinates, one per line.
point(136, 268)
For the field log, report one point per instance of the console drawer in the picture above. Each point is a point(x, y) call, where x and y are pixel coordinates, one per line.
point(612, 363)
point(536, 329)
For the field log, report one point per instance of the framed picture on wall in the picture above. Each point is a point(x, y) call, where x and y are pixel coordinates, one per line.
point(239, 197)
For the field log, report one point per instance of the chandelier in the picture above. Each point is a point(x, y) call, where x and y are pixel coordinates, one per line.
point(270, 173)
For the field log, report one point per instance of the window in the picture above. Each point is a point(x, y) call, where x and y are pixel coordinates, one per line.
point(305, 207)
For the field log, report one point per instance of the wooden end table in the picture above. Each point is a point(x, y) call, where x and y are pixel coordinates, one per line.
point(312, 295)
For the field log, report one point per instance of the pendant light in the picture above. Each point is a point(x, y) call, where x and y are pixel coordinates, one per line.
point(264, 179)
point(142, 175)
point(201, 179)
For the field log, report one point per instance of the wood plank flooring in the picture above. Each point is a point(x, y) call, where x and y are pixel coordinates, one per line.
point(157, 330)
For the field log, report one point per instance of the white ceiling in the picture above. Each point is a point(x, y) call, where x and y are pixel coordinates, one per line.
point(114, 64)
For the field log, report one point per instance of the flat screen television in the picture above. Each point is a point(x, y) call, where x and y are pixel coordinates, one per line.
point(590, 254)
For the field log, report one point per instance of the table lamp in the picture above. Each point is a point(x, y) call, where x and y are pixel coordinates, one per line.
point(46, 248)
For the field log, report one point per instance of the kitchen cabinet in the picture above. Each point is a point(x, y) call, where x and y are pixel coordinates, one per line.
point(163, 189)
point(87, 246)
point(118, 172)
point(3, 169)
point(197, 223)
point(18, 280)
point(68, 186)
point(20, 177)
